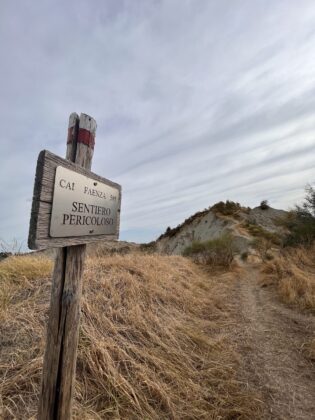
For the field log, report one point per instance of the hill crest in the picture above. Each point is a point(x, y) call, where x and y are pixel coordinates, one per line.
point(243, 223)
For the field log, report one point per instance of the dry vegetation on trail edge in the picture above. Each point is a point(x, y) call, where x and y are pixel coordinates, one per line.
point(151, 341)
point(293, 274)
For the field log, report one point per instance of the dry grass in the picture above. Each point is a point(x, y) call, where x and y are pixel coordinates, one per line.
point(293, 272)
point(17, 277)
point(151, 343)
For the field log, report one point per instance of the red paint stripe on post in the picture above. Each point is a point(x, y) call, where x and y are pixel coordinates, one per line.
point(86, 137)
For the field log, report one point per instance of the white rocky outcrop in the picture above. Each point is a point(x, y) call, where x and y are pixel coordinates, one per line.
point(209, 225)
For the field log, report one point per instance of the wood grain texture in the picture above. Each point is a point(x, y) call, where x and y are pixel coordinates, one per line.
point(47, 163)
point(73, 128)
point(64, 314)
point(62, 335)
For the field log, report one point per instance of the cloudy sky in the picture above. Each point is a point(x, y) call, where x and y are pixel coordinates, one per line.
point(196, 101)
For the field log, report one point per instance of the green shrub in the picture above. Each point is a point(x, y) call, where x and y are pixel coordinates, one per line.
point(215, 252)
point(148, 248)
point(264, 205)
point(302, 231)
point(195, 248)
point(301, 222)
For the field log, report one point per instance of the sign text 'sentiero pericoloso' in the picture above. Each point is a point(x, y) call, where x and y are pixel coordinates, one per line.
point(82, 206)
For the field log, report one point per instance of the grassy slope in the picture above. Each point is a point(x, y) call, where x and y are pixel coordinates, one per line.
point(151, 341)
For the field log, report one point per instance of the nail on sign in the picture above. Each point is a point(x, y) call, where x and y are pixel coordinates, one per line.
point(82, 206)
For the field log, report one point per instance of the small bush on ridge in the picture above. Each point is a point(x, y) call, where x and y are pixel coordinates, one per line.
point(227, 209)
point(264, 205)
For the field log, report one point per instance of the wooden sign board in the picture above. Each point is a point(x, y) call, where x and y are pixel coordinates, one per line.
point(71, 205)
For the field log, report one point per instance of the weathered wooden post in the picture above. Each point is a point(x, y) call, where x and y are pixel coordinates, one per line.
point(63, 324)
point(63, 214)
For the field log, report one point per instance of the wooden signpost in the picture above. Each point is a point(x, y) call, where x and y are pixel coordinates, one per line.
point(71, 207)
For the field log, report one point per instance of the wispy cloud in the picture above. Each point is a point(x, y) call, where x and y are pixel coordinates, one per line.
point(195, 102)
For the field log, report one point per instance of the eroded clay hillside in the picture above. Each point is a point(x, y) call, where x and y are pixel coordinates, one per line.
point(243, 223)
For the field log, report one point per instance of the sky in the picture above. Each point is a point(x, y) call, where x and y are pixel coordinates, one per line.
point(196, 101)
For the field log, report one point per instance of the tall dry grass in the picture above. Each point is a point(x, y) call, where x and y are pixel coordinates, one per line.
point(17, 277)
point(293, 272)
point(151, 345)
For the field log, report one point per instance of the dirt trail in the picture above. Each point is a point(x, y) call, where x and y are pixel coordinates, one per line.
point(271, 339)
